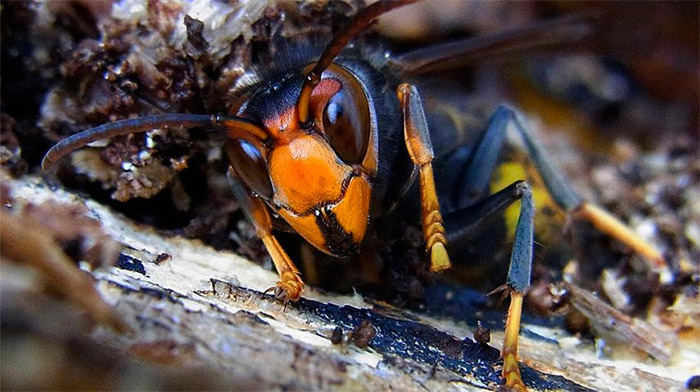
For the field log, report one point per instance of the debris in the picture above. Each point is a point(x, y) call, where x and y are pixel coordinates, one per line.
point(363, 333)
point(482, 335)
point(610, 324)
point(53, 238)
point(337, 335)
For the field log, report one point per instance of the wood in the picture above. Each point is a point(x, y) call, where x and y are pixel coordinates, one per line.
point(204, 309)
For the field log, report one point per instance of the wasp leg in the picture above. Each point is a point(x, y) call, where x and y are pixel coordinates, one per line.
point(421, 152)
point(518, 280)
point(509, 352)
point(520, 267)
point(574, 204)
point(465, 221)
point(290, 285)
point(482, 161)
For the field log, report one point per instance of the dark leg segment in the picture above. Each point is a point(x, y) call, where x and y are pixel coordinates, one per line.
point(477, 177)
point(561, 192)
point(574, 204)
point(464, 223)
point(479, 168)
point(521, 256)
point(483, 160)
point(517, 282)
point(520, 265)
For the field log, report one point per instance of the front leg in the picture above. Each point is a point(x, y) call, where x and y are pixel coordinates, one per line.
point(421, 152)
point(290, 286)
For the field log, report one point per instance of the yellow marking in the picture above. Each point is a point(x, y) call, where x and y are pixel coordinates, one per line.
point(560, 117)
point(509, 172)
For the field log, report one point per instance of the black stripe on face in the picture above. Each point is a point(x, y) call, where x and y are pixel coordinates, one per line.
point(338, 241)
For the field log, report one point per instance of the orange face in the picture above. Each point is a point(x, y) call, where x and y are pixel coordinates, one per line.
point(318, 179)
point(322, 198)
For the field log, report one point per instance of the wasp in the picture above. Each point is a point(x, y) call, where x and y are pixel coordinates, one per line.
point(329, 143)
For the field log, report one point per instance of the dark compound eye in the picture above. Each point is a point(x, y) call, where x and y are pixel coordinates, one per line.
point(251, 167)
point(346, 124)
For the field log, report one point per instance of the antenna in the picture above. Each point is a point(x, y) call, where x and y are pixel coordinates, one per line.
point(143, 124)
point(348, 32)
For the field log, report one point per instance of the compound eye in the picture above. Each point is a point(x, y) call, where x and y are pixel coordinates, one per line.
point(250, 165)
point(346, 123)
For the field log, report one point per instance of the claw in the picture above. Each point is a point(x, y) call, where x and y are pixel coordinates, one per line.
point(289, 288)
point(505, 291)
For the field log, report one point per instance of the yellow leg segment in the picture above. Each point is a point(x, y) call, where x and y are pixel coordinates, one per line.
point(420, 150)
point(290, 286)
point(511, 371)
point(607, 223)
point(433, 230)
